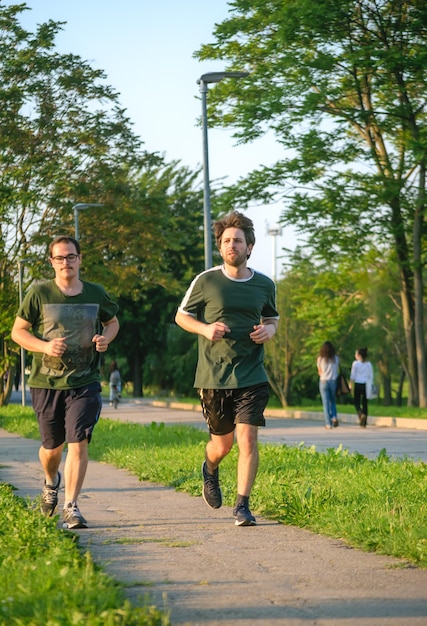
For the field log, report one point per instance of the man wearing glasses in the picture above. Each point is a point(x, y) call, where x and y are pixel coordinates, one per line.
point(66, 322)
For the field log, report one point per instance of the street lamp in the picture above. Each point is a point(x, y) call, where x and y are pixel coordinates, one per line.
point(20, 270)
point(274, 232)
point(203, 81)
point(80, 207)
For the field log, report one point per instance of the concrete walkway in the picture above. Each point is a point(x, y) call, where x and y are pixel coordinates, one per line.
point(195, 563)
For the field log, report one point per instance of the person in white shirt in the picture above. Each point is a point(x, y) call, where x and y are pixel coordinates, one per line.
point(328, 368)
point(361, 376)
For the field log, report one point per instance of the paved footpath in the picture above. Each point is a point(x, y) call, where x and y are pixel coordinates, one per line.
point(195, 563)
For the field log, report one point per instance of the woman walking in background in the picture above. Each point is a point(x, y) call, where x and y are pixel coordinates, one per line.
point(328, 366)
point(361, 376)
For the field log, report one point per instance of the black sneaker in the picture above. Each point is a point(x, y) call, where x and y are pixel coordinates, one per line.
point(243, 516)
point(72, 517)
point(211, 490)
point(50, 498)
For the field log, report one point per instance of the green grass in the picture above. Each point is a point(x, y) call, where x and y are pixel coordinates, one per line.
point(376, 505)
point(45, 578)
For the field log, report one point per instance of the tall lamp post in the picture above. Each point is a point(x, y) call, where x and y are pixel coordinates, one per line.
point(23, 365)
point(203, 81)
point(80, 207)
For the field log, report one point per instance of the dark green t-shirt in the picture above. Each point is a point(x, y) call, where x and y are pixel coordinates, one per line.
point(53, 314)
point(235, 361)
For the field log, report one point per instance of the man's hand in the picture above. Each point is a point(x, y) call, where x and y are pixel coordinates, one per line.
point(55, 347)
point(262, 333)
point(101, 343)
point(215, 331)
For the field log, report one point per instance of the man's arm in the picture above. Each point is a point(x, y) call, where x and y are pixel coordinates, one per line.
point(270, 321)
point(213, 332)
point(23, 337)
point(111, 328)
point(56, 347)
point(264, 332)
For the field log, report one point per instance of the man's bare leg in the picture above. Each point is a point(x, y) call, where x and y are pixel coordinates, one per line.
point(75, 469)
point(247, 440)
point(50, 461)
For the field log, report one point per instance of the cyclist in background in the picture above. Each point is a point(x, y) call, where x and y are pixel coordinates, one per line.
point(115, 381)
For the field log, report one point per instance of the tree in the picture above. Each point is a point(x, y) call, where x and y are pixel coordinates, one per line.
point(156, 266)
point(352, 305)
point(342, 85)
point(65, 139)
point(317, 302)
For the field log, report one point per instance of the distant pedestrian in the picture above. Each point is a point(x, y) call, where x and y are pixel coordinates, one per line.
point(66, 323)
point(232, 309)
point(361, 376)
point(328, 369)
point(115, 381)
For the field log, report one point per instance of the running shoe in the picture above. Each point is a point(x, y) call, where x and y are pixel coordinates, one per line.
point(211, 490)
point(72, 517)
point(49, 500)
point(243, 516)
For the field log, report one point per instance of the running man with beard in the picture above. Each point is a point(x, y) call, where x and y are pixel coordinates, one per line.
point(232, 309)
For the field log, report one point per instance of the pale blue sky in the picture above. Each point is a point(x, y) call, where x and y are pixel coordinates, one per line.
point(146, 47)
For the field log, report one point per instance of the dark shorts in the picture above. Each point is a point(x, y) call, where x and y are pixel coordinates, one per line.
point(66, 415)
point(224, 408)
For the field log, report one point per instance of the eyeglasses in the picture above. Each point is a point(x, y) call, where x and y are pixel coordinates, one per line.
point(70, 258)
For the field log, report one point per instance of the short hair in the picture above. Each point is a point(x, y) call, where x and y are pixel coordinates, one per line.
point(64, 239)
point(235, 220)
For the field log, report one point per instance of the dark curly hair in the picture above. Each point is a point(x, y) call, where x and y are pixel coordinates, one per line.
point(235, 220)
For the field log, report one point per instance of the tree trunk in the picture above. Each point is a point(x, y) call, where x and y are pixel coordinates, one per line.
point(6, 386)
point(400, 388)
point(419, 292)
point(135, 365)
point(406, 297)
point(388, 398)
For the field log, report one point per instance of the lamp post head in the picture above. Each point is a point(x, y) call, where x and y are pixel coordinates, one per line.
point(84, 205)
point(203, 81)
point(79, 207)
point(216, 77)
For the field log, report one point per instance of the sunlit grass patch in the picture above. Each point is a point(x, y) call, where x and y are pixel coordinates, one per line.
point(374, 504)
point(46, 578)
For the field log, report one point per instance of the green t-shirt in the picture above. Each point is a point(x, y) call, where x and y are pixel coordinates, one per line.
point(235, 361)
point(52, 314)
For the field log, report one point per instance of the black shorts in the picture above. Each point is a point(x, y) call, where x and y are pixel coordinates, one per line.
point(66, 415)
point(224, 408)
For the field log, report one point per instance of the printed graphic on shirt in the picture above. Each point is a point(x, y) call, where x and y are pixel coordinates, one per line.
point(78, 324)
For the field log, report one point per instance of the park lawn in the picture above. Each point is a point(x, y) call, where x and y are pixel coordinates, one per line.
point(45, 578)
point(377, 505)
